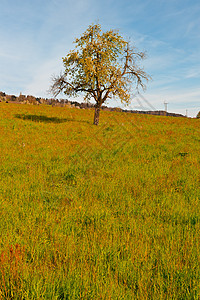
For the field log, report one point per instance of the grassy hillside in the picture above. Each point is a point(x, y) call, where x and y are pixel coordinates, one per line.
point(98, 212)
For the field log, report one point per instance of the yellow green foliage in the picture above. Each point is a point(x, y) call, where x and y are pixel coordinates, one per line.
point(103, 65)
point(108, 212)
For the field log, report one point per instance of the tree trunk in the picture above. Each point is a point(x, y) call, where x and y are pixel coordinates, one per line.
point(96, 114)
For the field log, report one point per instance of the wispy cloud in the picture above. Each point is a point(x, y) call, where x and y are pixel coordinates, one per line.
point(35, 35)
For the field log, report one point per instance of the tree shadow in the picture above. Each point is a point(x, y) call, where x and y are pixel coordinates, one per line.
point(45, 119)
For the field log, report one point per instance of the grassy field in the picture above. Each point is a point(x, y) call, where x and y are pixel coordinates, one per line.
point(98, 212)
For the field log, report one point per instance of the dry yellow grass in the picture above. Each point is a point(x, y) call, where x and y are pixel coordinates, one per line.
point(98, 212)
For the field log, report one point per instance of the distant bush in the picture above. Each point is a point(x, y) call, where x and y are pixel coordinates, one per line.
point(13, 98)
point(198, 115)
point(2, 94)
point(21, 98)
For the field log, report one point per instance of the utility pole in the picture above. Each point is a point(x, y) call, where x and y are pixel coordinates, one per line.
point(165, 104)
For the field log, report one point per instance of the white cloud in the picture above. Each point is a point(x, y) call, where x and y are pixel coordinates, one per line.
point(41, 79)
point(193, 72)
point(36, 35)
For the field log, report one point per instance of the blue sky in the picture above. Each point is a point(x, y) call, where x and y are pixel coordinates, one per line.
point(35, 35)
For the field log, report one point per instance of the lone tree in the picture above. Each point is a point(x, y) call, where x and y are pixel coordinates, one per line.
point(102, 65)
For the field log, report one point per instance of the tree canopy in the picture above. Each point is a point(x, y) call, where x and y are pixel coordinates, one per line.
point(102, 65)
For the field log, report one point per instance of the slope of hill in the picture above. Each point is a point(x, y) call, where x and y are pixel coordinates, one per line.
point(107, 212)
point(23, 99)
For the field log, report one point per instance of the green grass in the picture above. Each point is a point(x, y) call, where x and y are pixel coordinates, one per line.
point(98, 212)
